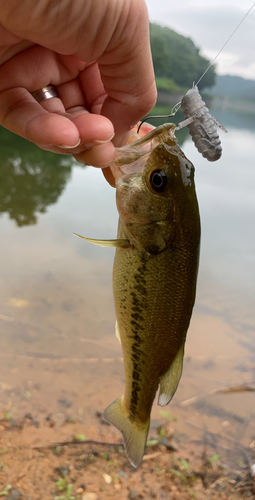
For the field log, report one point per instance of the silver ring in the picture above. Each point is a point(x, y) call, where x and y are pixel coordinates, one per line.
point(44, 93)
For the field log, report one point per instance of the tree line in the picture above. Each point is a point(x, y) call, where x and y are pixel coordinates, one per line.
point(177, 61)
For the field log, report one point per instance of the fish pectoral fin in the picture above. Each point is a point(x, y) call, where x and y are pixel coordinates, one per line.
point(170, 380)
point(134, 436)
point(121, 243)
point(117, 331)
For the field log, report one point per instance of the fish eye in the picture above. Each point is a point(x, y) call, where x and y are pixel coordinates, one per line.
point(158, 180)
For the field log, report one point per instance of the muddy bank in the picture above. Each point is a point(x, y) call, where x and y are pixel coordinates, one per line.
point(69, 461)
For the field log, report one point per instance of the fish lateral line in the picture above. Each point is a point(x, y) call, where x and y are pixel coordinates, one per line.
point(117, 243)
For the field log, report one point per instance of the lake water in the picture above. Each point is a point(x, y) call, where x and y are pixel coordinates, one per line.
point(57, 320)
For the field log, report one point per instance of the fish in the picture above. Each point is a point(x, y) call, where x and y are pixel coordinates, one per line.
point(154, 276)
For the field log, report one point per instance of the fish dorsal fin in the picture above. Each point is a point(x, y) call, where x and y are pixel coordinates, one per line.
point(134, 436)
point(170, 380)
point(121, 243)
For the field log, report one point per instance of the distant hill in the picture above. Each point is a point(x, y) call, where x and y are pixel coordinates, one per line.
point(235, 87)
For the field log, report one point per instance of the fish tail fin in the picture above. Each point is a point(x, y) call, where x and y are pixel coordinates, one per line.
point(134, 435)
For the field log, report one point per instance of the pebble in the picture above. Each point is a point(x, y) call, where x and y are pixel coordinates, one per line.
point(29, 416)
point(132, 494)
point(79, 490)
point(63, 470)
point(16, 493)
point(70, 419)
point(107, 478)
point(90, 496)
point(65, 402)
point(11, 497)
point(220, 487)
point(226, 423)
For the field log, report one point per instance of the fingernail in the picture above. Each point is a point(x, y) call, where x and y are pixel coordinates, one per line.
point(104, 142)
point(70, 147)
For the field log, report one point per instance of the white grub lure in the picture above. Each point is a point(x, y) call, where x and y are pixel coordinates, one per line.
point(201, 124)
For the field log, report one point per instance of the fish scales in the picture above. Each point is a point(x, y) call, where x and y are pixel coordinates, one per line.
point(148, 297)
point(154, 282)
point(154, 276)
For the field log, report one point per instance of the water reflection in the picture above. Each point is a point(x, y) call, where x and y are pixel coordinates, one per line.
point(30, 179)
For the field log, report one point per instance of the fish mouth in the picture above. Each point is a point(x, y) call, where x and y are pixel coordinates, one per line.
point(131, 159)
point(129, 162)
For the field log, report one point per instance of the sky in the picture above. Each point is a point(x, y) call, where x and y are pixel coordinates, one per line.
point(209, 23)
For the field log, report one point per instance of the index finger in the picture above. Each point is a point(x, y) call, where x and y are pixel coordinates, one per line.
point(127, 72)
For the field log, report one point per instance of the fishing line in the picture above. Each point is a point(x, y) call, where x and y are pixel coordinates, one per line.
point(229, 38)
point(177, 106)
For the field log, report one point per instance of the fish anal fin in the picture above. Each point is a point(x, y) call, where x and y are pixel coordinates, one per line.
point(134, 435)
point(117, 331)
point(170, 380)
point(120, 243)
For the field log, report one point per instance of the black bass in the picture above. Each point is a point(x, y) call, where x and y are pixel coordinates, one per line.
point(154, 276)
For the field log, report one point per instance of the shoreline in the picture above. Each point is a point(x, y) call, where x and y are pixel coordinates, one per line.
point(219, 102)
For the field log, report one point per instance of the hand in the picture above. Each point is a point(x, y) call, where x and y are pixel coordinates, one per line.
point(97, 55)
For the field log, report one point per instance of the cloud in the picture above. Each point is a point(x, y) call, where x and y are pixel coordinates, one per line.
point(210, 26)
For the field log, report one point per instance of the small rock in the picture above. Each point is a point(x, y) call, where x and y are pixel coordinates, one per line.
point(16, 493)
point(219, 487)
point(60, 419)
point(29, 416)
point(66, 403)
point(63, 470)
point(132, 494)
point(107, 478)
point(79, 491)
point(5, 387)
point(90, 496)
point(70, 419)
point(234, 476)
point(49, 417)
point(226, 423)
